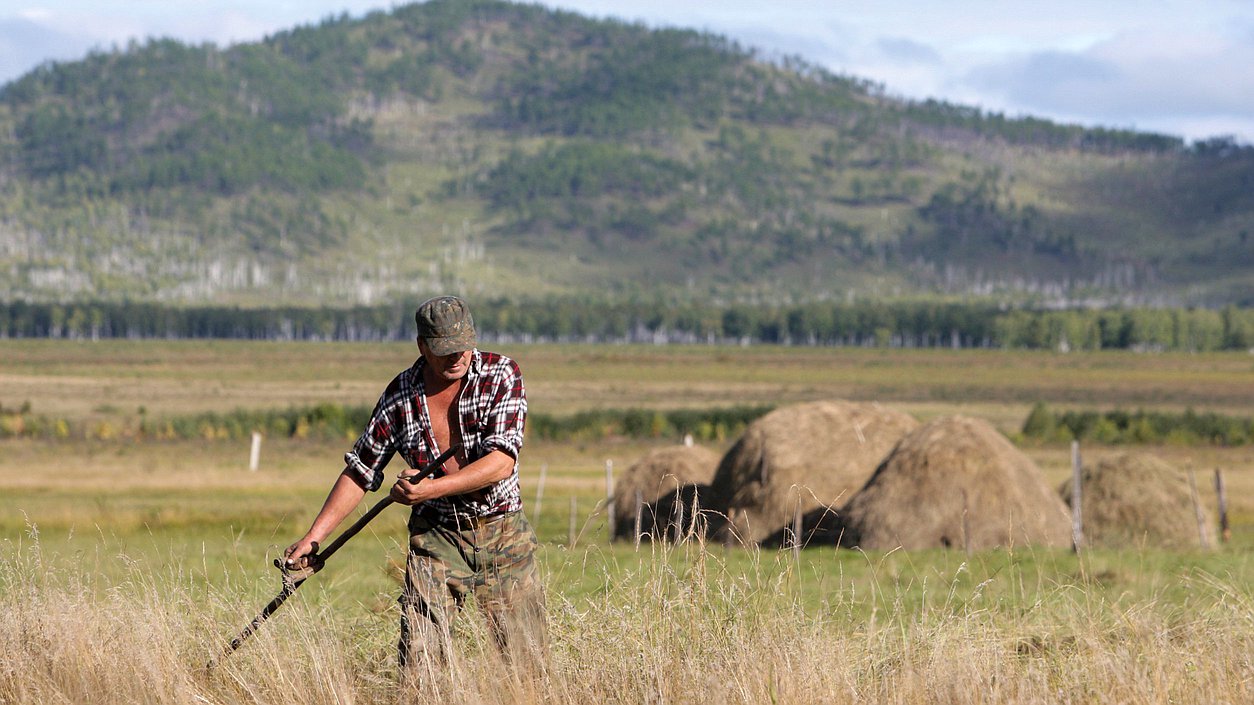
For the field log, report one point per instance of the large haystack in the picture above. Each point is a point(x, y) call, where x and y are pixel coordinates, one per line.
point(657, 478)
point(1135, 499)
point(955, 482)
point(817, 454)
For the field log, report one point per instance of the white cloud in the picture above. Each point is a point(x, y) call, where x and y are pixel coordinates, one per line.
point(1180, 82)
point(34, 14)
point(907, 51)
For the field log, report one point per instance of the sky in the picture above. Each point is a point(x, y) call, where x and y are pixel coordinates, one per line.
point(1179, 67)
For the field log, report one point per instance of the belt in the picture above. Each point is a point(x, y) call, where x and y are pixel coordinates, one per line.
point(459, 522)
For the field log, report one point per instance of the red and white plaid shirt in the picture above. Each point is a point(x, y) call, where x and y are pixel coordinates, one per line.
point(492, 408)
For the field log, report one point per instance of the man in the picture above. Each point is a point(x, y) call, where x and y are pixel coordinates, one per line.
point(467, 530)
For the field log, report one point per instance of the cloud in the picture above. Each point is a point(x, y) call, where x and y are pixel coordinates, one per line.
point(907, 51)
point(1066, 82)
point(1187, 80)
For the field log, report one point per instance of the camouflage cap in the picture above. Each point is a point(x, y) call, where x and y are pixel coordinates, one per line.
point(445, 324)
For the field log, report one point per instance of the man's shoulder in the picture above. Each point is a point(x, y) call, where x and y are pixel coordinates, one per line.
point(496, 361)
point(404, 381)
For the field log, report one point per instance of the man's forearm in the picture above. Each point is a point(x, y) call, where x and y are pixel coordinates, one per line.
point(344, 496)
point(484, 472)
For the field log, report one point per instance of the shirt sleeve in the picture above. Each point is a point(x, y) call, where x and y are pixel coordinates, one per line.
point(374, 449)
point(507, 412)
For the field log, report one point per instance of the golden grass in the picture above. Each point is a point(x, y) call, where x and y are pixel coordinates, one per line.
point(670, 628)
point(114, 378)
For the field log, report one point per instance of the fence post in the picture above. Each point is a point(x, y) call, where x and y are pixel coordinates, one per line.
point(254, 454)
point(1225, 532)
point(570, 541)
point(1197, 511)
point(1077, 522)
point(1077, 517)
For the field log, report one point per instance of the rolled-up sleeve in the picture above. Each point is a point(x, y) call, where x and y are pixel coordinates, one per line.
point(507, 413)
point(374, 449)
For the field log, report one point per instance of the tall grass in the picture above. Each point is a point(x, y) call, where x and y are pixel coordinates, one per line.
point(671, 625)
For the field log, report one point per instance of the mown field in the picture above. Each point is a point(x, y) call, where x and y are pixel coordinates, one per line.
point(125, 565)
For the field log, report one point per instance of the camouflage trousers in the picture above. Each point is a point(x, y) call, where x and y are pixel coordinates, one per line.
point(491, 558)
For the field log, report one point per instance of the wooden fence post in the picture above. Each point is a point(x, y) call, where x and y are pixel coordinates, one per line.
point(1077, 517)
point(1225, 532)
point(254, 453)
point(570, 542)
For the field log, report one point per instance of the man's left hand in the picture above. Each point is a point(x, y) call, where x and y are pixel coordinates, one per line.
point(409, 491)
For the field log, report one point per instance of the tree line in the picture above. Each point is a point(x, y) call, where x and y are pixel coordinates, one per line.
point(867, 324)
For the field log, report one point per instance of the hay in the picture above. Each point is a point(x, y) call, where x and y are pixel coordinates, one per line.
point(816, 453)
point(955, 482)
point(1135, 499)
point(659, 476)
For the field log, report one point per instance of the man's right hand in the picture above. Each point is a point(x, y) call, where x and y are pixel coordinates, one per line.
point(297, 556)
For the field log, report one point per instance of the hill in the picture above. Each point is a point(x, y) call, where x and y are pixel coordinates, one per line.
point(515, 151)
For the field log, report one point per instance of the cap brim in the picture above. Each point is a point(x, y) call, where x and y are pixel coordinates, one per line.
point(451, 344)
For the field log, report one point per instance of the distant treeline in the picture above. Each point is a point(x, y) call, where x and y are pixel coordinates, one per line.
point(868, 324)
point(1119, 426)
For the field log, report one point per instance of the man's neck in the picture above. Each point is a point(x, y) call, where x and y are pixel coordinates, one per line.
point(438, 386)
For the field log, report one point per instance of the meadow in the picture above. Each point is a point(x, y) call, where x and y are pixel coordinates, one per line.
point(125, 565)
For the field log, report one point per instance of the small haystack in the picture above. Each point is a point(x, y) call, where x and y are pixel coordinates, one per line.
point(1135, 499)
point(955, 482)
point(658, 477)
point(817, 454)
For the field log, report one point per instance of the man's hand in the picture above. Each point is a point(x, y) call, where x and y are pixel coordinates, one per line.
point(297, 556)
point(410, 490)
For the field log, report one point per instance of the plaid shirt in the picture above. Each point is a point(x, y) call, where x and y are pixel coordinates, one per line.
point(492, 408)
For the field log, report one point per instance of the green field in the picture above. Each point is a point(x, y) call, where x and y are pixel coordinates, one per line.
point(125, 564)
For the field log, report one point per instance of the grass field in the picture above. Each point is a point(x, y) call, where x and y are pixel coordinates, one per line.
point(124, 566)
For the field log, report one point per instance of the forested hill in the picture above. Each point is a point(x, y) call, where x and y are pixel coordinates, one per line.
point(518, 152)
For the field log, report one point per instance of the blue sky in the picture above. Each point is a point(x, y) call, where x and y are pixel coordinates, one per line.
point(1182, 67)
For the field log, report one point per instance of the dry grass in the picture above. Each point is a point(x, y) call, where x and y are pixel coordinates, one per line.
point(673, 629)
point(116, 377)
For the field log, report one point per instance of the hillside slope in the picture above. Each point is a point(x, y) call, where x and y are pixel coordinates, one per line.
point(510, 150)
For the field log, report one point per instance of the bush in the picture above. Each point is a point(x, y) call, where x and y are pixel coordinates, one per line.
point(1119, 426)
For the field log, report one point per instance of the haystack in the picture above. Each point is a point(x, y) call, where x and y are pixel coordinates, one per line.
point(1135, 499)
point(658, 477)
point(955, 482)
point(816, 454)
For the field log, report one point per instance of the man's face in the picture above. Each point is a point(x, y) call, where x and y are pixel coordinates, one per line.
point(451, 367)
